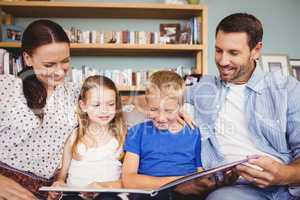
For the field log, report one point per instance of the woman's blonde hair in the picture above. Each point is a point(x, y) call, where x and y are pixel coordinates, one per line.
point(117, 125)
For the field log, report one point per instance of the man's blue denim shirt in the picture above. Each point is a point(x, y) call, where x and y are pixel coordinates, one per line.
point(272, 110)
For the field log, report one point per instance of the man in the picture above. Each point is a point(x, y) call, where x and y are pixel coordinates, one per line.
point(246, 111)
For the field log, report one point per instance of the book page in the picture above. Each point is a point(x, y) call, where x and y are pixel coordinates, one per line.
point(68, 189)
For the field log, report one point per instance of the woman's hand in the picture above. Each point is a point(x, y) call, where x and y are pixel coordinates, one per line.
point(11, 190)
point(54, 195)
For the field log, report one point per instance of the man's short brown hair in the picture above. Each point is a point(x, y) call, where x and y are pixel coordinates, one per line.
point(243, 23)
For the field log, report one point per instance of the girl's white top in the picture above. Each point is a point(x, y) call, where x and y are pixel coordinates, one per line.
point(99, 164)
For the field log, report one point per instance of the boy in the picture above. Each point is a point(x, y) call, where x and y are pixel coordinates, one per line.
point(162, 149)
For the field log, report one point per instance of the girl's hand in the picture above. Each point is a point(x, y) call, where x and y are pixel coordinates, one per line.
point(95, 185)
point(54, 195)
point(110, 184)
point(91, 195)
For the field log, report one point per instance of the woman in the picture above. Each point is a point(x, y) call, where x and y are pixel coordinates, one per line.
point(37, 112)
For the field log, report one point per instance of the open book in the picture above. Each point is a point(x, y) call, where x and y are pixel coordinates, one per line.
point(152, 192)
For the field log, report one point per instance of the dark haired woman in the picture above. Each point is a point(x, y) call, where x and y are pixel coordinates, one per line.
point(36, 113)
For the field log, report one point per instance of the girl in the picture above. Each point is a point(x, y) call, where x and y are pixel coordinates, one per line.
point(92, 153)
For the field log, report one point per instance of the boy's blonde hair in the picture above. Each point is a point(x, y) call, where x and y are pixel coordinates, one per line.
point(117, 125)
point(166, 84)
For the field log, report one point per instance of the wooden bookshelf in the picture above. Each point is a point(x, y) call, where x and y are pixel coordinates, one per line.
point(118, 10)
point(100, 10)
point(78, 49)
point(10, 45)
point(129, 49)
point(131, 88)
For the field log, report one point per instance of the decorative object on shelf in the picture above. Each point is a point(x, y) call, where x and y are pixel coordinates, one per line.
point(193, 1)
point(275, 62)
point(169, 33)
point(186, 34)
point(175, 2)
point(191, 79)
point(295, 65)
point(11, 33)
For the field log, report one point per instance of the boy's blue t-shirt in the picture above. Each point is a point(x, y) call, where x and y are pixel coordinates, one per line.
point(163, 153)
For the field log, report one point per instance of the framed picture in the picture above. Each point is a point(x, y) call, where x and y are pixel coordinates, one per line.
point(275, 62)
point(11, 33)
point(295, 65)
point(185, 35)
point(169, 33)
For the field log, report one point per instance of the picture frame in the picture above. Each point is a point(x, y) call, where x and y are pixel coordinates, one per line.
point(169, 33)
point(295, 65)
point(11, 33)
point(185, 35)
point(275, 62)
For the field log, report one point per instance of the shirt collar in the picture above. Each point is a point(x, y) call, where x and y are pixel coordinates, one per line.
point(255, 82)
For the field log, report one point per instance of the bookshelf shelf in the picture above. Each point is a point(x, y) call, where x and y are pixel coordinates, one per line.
point(129, 49)
point(123, 49)
point(13, 45)
point(131, 88)
point(100, 10)
point(52, 9)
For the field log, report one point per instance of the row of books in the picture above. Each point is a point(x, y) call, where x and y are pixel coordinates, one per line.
point(122, 77)
point(9, 63)
point(169, 33)
point(120, 37)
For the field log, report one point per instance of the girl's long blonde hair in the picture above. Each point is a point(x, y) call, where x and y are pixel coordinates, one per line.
point(117, 125)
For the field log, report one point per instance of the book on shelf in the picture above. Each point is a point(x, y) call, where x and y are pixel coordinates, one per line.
point(10, 63)
point(153, 192)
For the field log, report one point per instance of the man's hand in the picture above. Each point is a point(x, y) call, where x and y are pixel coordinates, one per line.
point(271, 172)
point(11, 190)
point(184, 117)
